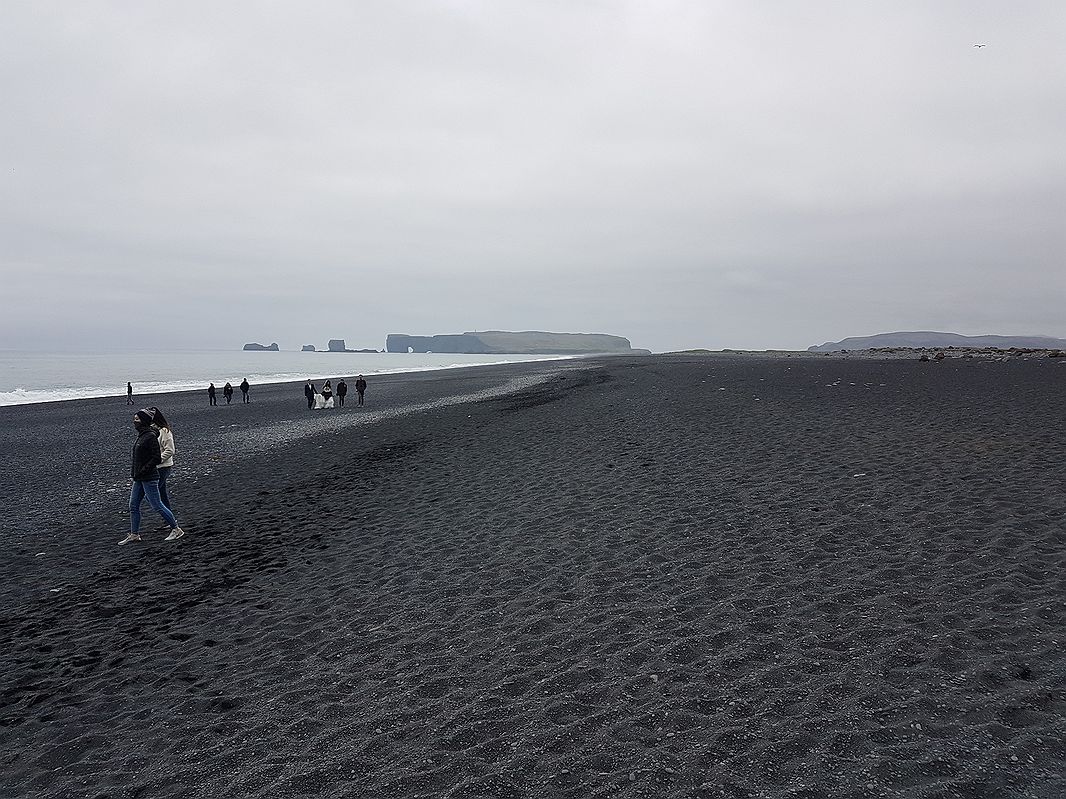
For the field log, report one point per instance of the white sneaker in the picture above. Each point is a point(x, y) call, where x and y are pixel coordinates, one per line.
point(128, 538)
point(175, 534)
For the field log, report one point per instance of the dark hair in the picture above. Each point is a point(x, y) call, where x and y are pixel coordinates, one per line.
point(158, 419)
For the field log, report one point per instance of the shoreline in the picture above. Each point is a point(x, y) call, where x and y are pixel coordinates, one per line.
point(156, 388)
point(180, 386)
point(87, 439)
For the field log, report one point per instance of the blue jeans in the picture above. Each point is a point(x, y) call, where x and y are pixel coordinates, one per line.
point(164, 473)
point(150, 489)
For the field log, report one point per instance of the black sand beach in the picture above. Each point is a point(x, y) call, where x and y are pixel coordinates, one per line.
point(635, 577)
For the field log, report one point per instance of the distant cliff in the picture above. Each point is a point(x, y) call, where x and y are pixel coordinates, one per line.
point(500, 342)
point(933, 339)
point(261, 347)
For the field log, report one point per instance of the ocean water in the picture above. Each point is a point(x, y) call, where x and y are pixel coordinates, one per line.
point(27, 377)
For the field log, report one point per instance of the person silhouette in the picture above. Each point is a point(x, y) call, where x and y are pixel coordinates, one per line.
point(211, 394)
point(342, 391)
point(309, 393)
point(244, 388)
point(227, 392)
point(360, 387)
point(129, 393)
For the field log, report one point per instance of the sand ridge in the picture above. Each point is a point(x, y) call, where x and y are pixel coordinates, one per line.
point(645, 577)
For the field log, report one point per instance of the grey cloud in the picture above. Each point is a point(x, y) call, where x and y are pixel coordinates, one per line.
point(684, 174)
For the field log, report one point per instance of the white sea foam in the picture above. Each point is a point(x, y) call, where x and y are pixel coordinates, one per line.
point(44, 377)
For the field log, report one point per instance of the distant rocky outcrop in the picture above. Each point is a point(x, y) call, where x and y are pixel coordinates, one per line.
point(253, 347)
point(337, 345)
point(501, 342)
point(308, 348)
point(459, 343)
point(931, 339)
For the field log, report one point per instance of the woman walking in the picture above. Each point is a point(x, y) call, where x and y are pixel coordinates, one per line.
point(166, 454)
point(145, 473)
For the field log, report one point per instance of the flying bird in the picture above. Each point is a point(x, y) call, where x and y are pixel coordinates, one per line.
point(978, 45)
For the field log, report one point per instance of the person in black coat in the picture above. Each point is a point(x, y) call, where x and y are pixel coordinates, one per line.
point(244, 388)
point(145, 472)
point(211, 394)
point(227, 392)
point(360, 386)
point(309, 392)
point(342, 390)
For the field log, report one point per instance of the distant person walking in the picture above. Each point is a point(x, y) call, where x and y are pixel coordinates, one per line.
point(166, 454)
point(244, 388)
point(145, 473)
point(211, 394)
point(342, 391)
point(360, 387)
point(309, 393)
point(129, 393)
point(227, 392)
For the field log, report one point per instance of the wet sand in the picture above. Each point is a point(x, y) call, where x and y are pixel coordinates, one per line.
point(662, 576)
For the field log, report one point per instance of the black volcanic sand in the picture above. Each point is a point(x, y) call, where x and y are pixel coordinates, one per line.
point(639, 577)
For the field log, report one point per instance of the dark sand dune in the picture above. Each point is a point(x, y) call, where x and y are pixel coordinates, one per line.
point(705, 577)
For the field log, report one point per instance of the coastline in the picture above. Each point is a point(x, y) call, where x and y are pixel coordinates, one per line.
point(86, 440)
point(645, 576)
point(157, 383)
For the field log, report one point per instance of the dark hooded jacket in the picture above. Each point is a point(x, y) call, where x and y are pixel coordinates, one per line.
point(146, 456)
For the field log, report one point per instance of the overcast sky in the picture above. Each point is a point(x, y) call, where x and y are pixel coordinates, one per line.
point(686, 174)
